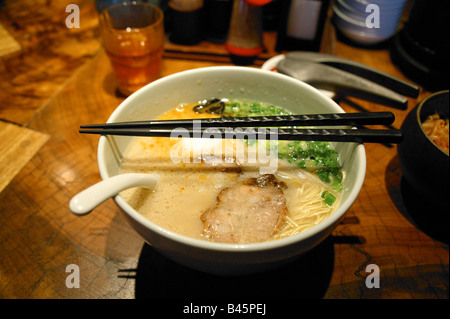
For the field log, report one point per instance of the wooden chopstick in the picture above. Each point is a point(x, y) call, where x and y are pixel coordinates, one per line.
point(329, 135)
point(332, 119)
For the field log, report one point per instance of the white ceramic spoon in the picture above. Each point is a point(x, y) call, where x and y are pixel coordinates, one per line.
point(85, 201)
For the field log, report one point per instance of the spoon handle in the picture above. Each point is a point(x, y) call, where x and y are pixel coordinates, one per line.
point(85, 201)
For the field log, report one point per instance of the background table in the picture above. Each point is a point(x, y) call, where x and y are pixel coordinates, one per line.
point(60, 79)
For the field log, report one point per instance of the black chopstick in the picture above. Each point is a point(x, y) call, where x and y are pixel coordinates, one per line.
point(332, 119)
point(329, 135)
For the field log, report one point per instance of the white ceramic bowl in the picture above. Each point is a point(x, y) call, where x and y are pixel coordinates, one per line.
point(229, 82)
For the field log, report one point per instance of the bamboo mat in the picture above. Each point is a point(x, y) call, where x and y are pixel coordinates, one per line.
point(17, 146)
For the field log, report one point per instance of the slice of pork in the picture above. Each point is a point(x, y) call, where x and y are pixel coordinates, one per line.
point(248, 212)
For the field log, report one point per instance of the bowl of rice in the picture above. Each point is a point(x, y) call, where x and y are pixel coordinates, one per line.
point(424, 153)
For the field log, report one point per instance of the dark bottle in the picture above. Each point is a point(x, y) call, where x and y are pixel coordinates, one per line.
point(301, 25)
point(217, 19)
point(186, 21)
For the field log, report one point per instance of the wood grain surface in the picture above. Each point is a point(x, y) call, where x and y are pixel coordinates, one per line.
point(17, 146)
point(62, 79)
point(8, 44)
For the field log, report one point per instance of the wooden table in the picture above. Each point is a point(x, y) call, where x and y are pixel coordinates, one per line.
point(61, 79)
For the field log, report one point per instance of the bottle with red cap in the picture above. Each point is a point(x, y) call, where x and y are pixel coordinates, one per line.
point(244, 42)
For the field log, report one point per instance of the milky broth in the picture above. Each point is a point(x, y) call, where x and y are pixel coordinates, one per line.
point(187, 190)
point(184, 191)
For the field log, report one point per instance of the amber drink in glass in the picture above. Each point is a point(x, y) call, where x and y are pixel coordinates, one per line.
point(133, 37)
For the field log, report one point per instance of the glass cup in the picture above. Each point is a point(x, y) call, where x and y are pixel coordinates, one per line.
point(133, 37)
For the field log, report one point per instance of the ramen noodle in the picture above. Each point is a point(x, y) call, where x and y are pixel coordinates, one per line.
point(196, 199)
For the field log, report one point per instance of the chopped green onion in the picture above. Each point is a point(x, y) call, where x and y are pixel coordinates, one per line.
point(317, 157)
point(328, 198)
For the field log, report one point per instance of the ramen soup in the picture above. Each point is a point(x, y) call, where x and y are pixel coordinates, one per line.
point(222, 194)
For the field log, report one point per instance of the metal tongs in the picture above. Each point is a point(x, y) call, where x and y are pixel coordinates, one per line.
point(346, 77)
